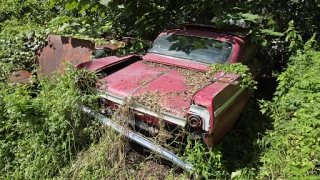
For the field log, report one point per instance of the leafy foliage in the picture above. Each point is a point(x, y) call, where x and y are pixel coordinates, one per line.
point(45, 127)
point(22, 32)
point(238, 68)
point(292, 148)
point(294, 38)
point(207, 163)
point(28, 9)
point(19, 43)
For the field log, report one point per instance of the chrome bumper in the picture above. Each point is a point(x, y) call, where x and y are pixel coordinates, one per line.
point(165, 153)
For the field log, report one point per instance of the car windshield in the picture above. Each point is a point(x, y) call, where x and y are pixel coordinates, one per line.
point(193, 48)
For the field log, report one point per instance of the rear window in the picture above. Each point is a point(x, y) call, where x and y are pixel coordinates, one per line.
point(192, 48)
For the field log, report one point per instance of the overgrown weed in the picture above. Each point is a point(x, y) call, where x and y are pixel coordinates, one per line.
point(42, 127)
point(293, 146)
point(105, 160)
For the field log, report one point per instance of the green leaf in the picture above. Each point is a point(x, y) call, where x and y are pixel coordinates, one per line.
point(70, 5)
point(250, 17)
point(105, 2)
point(312, 177)
point(75, 24)
point(264, 43)
point(271, 32)
point(52, 2)
point(65, 25)
point(235, 174)
point(82, 30)
point(94, 8)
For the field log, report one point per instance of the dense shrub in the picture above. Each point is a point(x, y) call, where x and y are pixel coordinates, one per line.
point(292, 148)
point(42, 127)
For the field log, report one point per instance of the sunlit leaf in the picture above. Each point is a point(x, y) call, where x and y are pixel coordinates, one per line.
point(65, 25)
point(250, 17)
point(271, 32)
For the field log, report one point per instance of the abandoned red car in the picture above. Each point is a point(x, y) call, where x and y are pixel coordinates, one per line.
point(172, 82)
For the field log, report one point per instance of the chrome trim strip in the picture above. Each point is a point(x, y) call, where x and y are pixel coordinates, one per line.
point(165, 115)
point(165, 153)
point(228, 102)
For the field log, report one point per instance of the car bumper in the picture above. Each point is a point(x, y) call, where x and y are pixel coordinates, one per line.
point(165, 153)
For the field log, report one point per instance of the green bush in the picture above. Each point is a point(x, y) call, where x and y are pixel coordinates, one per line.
point(292, 148)
point(42, 127)
point(207, 163)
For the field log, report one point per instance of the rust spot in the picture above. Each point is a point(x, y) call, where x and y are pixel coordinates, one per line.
point(110, 48)
point(228, 80)
point(59, 49)
point(20, 76)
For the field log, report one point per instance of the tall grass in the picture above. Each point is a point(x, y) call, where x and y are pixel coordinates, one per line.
point(42, 129)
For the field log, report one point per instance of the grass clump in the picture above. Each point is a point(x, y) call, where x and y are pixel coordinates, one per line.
point(106, 159)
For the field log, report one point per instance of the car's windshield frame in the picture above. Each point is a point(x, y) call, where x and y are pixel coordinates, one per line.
point(191, 59)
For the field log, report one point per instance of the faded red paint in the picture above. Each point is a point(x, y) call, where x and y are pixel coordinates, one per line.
point(226, 120)
point(126, 80)
point(103, 63)
point(167, 84)
point(212, 97)
point(20, 76)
